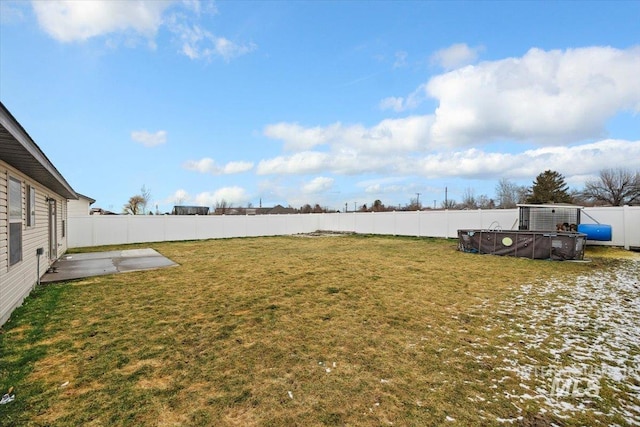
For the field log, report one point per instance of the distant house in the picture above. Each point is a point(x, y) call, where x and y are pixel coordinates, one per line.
point(33, 213)
point(100, 211)
point(190, 210)
point(80, 207)
point(276, 210)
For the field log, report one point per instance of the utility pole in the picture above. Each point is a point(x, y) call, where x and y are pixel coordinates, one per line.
point(346, 207)
point(446, 200)
point(418, 201)
point(354, 206)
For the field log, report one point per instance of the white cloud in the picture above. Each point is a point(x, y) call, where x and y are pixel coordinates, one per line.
point(389, 136)
point(208, 165)
point(545, 96)
point(411, 101)
point(296, 137)
point(229, 50)
point(555, 99)
point(149, 139)
point(11, 13)
point(299, 163)
point(198, 43)
point(401, 59)
point(378, 189)
point(395, 103)
point(180, 197)
point(235, 196)
point(318, 185)
point(408, 173)
point(69, 21)
point(456, 55)
point(76, 20)
point(576, 160)
point(470, 163)
point(237, 167)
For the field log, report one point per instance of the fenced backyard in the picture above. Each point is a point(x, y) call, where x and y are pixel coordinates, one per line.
point(343, 330)
point(111, 230)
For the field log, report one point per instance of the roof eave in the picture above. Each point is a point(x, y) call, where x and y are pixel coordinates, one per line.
point(21, 146)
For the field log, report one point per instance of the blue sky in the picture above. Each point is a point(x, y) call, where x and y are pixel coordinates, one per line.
point(322, 102)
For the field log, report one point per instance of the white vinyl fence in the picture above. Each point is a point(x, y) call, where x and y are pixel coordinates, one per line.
point(97, 230)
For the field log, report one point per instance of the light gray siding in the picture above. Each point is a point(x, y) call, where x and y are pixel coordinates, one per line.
point(4, 228)
point(17, 281)
point(79, 207)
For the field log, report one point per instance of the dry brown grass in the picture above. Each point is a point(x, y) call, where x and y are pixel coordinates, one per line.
point(282, 331)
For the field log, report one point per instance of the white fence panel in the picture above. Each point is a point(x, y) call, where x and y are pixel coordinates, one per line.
point(434, 224)
point(110, 230)
point(408, 224)
point(143, 229)
point(297, 223)
point(177, 228)
point(624, 220)
point(631, 224)
point(337, 222)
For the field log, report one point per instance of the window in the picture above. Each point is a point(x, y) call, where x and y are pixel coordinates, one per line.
point(15, 221)
point(31, 206)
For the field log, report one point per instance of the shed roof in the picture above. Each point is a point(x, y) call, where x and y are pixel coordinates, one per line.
point(549, 205)
point(20, 151)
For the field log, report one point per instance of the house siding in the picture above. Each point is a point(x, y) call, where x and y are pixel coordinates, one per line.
point(78, 207)
point(17, 281)
point(4, 231)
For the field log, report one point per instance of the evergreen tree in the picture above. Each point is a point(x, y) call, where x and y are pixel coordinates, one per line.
point(549, 187)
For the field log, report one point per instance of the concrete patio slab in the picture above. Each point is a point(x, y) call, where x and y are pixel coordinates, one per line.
point(78, 266)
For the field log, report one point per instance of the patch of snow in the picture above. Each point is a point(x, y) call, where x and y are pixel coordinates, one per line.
point(590, 328)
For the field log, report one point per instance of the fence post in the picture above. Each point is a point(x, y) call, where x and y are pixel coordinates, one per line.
point(626, 228)
point(446, 230)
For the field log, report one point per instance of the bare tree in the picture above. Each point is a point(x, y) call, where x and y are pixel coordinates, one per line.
point(615, 187)
point(509, 194)
point(414, 204)
point(469, 199)
point(523, 193)
point(145, 193)
point(484, 202)
point(134, 206)
point(449, 204)
point(221, 207)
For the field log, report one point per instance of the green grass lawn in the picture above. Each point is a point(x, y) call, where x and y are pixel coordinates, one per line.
point(284, 331)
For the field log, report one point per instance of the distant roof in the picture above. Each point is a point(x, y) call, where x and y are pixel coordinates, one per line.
point(100, 211)
point(82, 196)
point(279, 209)
point(20, 151)
point(190, 210)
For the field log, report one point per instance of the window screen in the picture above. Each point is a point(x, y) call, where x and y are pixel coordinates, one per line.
point(15, 221)
point(31, 206)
